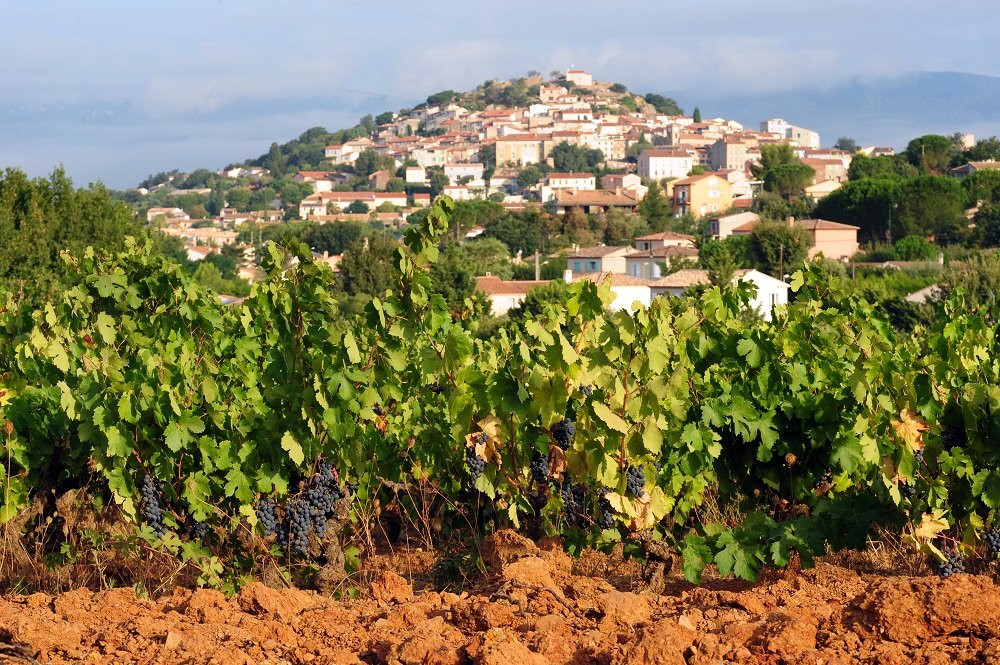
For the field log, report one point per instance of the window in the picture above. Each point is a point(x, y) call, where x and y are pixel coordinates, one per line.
point(576, 265)
point(593, 266)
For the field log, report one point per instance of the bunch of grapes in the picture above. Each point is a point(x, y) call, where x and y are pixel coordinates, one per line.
point(824, 480)
point(475, 463)
point(992, 541)
point(907, 490)
point(199, 531)
point(267, 515)
point(563, 432)
point(606, 514)
point(953, 563)
point(299, 520)
point(436, 388)
point(635, 481)
point(919, 456)
point(953, 435)
point(322, 493)
point(587, 390)
point(573, 497)
point(152, 505)
point(352, 489)
point(539, 466)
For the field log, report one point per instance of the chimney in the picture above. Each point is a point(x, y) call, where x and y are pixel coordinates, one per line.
point(618, 190)
point(568, 275)
point(326, 254)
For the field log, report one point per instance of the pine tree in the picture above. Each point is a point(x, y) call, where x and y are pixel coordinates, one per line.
point(654, 208)
point(697, 114)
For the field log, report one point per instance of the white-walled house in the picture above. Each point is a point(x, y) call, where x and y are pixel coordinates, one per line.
point(660, 164)
point(771, 292)
point(505, 294)
point(599, 259)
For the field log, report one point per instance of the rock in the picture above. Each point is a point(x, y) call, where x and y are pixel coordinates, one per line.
point(661, 643)
point(503, 648)
point(787, 633)
point(623, 609)
point(532, 572)
point(432, 642)
point(389, 587)
point(505, 547)
point(172, 641)
point(258, 599)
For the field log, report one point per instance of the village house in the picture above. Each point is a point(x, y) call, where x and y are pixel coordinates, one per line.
point(416, 175)
point(520, 149)
point(323, 203)
point(965, 170)
point(505, 295)
point(722, 227)
point(571, 181)
point(702, 195)
point(579, 77)
point(603, 258)
point(661, 164)
point(166, 214)
point(593, 202)
point(782, 128)
point(645, 263)
point(628, 183)
point(663, 239)
point(472, 172)
point(771, 292)
point(831, 239)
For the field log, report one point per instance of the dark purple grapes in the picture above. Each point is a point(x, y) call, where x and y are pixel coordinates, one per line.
point(635, 481)
point(539, 467)
point(606, 514)
point(200, 531)
point(573, 497)
point(152, 505)
point(475, 463)
point(563, 432)
point(953, 563)
point(267, 516)
point(298, 518)
point(919, 456)
point(587, 390)
point(992, 541)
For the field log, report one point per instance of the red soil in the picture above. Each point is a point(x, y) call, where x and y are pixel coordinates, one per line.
point(534, 611)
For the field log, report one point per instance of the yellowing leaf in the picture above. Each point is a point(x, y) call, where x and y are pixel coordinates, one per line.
point(610, 418)
point(909, 428)
point(930, 526)
point(292, 447)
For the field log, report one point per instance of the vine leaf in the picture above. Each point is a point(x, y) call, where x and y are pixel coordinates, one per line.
point(292, 447)
point(909, 428)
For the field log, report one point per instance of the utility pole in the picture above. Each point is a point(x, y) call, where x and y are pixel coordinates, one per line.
point(781, 262)
point(538, 266)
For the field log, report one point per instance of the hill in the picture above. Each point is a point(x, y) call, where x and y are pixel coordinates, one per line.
point(881, 111)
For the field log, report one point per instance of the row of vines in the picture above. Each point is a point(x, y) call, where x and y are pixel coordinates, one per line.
point(602, 427)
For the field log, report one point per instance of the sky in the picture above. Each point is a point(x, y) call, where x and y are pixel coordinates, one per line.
point(116, 90)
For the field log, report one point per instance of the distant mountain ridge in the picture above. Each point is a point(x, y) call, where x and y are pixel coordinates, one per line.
point(873, 111)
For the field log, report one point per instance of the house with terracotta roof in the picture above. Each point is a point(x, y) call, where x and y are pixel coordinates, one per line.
point(594, 202)
point(831, 239)
point(520, 149)
point(628, 183)
point(570, 181)
point(722, 227)
point(660, 164)
point(702, 195)
point(771, 292)
point(663, 239)
point(965, 170)
point(603, 258)
point(646, 263)
point(504, 294)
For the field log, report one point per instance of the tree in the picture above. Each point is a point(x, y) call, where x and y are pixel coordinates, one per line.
point(663, 105)
point(867, 203)
point(442, 97)
point(487, 155)
point(239, 198)
point(333, 238)
point(696, 114)
point(41, 217)
point(368, 270)
point(384, 118)
point(776, 247)
point(984, 150)
point(529, 176)
point(914, 248)
point(988, 225)
point(621, 228)
point(782, 172)
point(931, 153)
point(276, 161)
point(654, 208)
point(982, 186)
point(618, 88)
point(453, 278)
point(208, 275)
point(629, 104)
point(357, 208)
point(367, 123)
point(720, 260)
point(437, 181)
point(846, 143)
point(882, 166)
point(369, 161)
point(930, 204)
point(569, 158)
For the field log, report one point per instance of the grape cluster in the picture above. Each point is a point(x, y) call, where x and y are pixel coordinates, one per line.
point(436, 388)
point(953, 435)
point(573, 497)
point(475, 463)
point(953, 563)
point(299, 520)
point(352, 489)
point(824, 480)
point(992, 541)
point(152, 505)
point(322, 493)
point(199, 531)
point(606, 514)
point(587, 390)
point(539, 466)
point(919, 456)
point(563, 433)
point(907, 490)
point(635, 481)
point(267, 515)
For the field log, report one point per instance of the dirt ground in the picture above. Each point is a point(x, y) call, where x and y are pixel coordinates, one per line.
point(540, 607)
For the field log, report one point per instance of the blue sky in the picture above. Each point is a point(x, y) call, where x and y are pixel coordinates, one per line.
point(115, 90)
